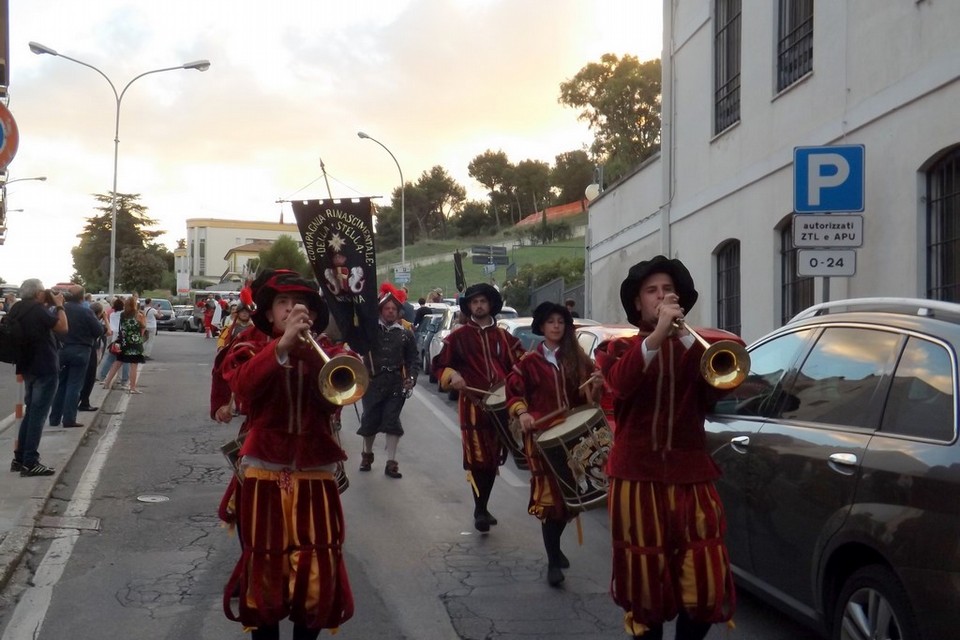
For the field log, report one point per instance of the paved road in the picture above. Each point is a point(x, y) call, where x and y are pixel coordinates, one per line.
point(107, 564)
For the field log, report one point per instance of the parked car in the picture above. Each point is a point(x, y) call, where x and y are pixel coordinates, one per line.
point(591, 336)
point(841, 469)
point(425, 331)
point(165, 313)
point(522, 328)
point(449, 321)
point(507, 312)
point(184, 320)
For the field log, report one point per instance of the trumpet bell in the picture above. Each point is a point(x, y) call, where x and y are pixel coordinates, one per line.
point(725, 364)
point(343, 380)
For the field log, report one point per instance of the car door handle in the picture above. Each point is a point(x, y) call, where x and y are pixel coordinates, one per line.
point(845, 463)
point(740, 443)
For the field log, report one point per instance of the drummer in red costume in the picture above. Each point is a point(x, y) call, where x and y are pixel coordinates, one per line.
point(666, 519)
point(290, 518)
point(546, 382)
point(478, 355)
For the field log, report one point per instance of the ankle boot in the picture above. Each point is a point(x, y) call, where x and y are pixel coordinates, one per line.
point(551, 530)
point(392, 469)
point(688, 629)
point(366, 460)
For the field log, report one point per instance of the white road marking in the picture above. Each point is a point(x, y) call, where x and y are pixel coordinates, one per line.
point(30, 612)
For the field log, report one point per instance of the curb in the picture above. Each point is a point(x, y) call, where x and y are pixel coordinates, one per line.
point(16, 541)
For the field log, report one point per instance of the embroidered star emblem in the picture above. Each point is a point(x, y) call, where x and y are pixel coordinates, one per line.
point(336, 242)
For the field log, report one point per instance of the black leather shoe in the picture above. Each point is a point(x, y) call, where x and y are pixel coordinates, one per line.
point(554, 576)
point(87, 408)
point(480, 521)
point(71, 425)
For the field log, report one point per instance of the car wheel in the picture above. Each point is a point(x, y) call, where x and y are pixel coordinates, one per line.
point(873, 604)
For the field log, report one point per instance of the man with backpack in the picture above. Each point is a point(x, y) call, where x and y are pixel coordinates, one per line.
point(39, 364)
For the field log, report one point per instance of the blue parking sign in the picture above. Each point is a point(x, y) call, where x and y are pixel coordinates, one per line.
point(828, 179)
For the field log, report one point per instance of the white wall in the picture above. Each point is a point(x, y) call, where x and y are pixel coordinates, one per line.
point(885, 75)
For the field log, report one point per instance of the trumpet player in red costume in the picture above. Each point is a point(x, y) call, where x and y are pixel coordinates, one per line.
point(666, 519)
point(289, 514)
point(547, 381)
point(478, 355)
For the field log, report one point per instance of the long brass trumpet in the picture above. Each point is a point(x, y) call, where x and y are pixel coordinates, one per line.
point(724, 364)
point(343, 379)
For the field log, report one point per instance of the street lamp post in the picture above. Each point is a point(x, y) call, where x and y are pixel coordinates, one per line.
point(199, 65)
point(3, 201)
point(403, 217)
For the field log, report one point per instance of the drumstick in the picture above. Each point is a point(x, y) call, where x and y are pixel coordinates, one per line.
point(481, 391)
point(550, 416)
point(589, 381)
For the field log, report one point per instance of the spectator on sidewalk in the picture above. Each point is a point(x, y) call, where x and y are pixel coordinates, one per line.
point(95, 351)
point(77, 345)
point(150, 313)
point(109, 357)
point(39, 365)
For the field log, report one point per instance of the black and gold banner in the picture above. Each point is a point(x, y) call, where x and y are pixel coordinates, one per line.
point(338, 238)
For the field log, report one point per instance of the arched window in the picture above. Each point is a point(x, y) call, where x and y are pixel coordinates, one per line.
point(796, 292)
point(728, 286)
point(943, 228)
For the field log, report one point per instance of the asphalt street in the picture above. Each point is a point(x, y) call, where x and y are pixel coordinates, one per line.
point(125, 541)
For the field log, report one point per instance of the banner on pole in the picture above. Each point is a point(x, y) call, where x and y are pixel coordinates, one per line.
point(338, 240)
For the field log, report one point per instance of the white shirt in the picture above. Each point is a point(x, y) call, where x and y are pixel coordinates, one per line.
point(151, 318)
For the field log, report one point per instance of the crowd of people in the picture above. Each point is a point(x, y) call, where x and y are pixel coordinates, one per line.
point(69, 342)
point(669, 560)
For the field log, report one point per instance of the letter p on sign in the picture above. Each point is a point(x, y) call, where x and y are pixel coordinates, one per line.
point(828, 179)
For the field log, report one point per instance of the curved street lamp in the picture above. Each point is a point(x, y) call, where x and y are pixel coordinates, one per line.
point(403, 225)
point(199, 65)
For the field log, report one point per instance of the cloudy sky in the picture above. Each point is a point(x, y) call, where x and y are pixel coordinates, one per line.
point(436, 81)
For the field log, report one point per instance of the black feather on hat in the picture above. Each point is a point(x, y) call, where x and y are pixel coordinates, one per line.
point(546, 309)
point(272, 282)
point(682, 282)
point(481, 289)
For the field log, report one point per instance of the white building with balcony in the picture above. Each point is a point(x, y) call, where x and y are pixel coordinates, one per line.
point(217, 247)
point(743, 88)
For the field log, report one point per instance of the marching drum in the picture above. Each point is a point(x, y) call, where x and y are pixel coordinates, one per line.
point(495, 404)
point(576, 451)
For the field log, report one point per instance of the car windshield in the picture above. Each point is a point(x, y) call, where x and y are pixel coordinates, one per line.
point(162, 304)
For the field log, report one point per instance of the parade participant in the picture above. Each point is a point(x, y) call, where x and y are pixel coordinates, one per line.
point(240, 322)
point(289, 513)
point(209, 308)
point(547, 381)
point(393, 366)
point(666, 519)
point(474, 358)
point(39, 364)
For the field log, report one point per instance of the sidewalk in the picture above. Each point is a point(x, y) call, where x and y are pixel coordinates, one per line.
point(22, 499)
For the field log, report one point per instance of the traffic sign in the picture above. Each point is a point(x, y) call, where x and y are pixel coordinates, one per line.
point(828, 179)
point(9, 137)
point(401, 273)
point(827, 230)
point(826, 262)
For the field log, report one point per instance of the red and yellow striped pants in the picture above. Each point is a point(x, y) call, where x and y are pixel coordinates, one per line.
point(292, 529)
point(668, 553)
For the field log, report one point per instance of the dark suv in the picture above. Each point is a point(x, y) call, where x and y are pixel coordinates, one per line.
point(842, 469)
